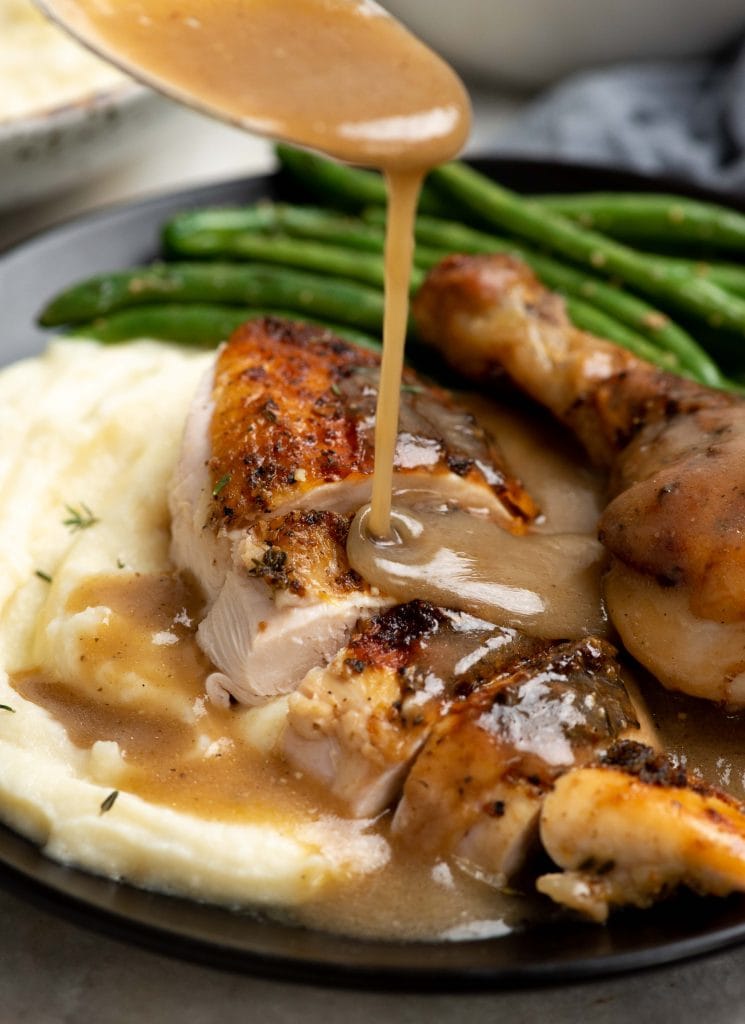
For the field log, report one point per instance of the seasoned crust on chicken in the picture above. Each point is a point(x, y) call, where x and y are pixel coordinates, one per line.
point(294, 409)
point(357, 724)
point(303, 552)
point(277, 456)
point(675, 451)
point(476, 789)
point(634, 828)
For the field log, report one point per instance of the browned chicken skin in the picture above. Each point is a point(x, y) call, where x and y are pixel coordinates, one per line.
point(277, 457)
point(633, 828)
point(675, 451)
point(294, 410)
point(476, 789)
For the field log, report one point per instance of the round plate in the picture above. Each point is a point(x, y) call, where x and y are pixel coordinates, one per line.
point(686, 926)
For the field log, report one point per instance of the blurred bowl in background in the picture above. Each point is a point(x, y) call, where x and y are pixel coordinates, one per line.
point(529, 43)
point(68, 146)
point(65, 115)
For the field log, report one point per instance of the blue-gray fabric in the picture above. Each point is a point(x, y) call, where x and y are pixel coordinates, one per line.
point(684, 118)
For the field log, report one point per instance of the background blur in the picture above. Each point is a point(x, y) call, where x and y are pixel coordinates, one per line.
point(75, 136)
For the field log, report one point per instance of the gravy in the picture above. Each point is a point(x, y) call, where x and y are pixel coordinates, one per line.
point(340, 76)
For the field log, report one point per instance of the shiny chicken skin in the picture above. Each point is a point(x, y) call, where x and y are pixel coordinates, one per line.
point(277, 456)
point(633, 828)
point(459, 725)
point(674, 450)
point(476, 790)
point(357, 724)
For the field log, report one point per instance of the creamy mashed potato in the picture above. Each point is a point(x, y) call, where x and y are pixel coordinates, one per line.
point(41, 67)
point(90, 435)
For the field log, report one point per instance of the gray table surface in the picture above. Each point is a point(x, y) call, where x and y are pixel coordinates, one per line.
point(54, 972)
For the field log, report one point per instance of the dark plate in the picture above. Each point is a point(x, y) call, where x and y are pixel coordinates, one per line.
point(120, 237)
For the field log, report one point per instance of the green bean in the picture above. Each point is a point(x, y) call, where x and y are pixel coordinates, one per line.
point(625, 309)
point(304, 254)
point(644, 217)
point(214, 232)
point(729, 276)
point(193, 324)
point(247, 285)
point(344, 186)
point(676, 285)
point(211, 232)
point(589, 318)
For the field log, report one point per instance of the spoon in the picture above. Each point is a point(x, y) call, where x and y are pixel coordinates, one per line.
point(341, 76)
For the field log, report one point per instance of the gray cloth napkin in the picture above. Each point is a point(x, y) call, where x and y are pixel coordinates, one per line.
point(684, 118)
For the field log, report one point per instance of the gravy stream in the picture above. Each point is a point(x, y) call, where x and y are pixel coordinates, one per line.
point(340, 76)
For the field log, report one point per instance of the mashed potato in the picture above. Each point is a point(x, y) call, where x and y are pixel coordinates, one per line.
point(89, 437)
point(41, 67)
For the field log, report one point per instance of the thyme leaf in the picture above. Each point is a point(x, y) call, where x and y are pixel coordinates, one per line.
point(412, 389)
point(79, 518)
point(43, 575)
point(109, 801)
point(221, 485)
point(7, 707)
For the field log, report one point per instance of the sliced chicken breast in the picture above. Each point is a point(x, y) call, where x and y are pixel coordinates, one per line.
point(277, 456)
point(476, 789)
point(358, 724)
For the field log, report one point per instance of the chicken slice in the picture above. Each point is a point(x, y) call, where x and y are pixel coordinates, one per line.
point(277, 455)
point(357, 724)
point(633, 828)
point(675, 451)
point(475, 791)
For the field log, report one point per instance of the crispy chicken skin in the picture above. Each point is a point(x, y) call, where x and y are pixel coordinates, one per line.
point(476, 790)
point(357, 724)
point(294, 410)
point(675, 452)
point(277, 456)
point(462, 724)
point(633, 828)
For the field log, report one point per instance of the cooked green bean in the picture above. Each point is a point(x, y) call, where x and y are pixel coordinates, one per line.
point(730, 276)
point(211, 232)
point(194, 324)
point(248, 285)
point(215, 232)
point(676, 285)
point(595, 321)
point(620, 306)
point(305, 254)
point(645, 217)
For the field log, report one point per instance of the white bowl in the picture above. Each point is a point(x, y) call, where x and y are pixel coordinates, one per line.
point(70, 145)
point(534, 42)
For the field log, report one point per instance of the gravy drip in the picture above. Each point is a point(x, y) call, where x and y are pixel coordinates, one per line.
point(545, 583)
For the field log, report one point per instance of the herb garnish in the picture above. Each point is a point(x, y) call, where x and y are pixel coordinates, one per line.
point(412, 389)
point(221, 485)
point(109, 801)
point(119, 563)
point(43, 575)
point(7, 707)
point(79, 518)
point(336, 389)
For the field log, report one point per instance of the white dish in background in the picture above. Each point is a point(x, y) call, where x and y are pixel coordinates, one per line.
point(71, 145)
point(530, 43)
point(65, 115)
